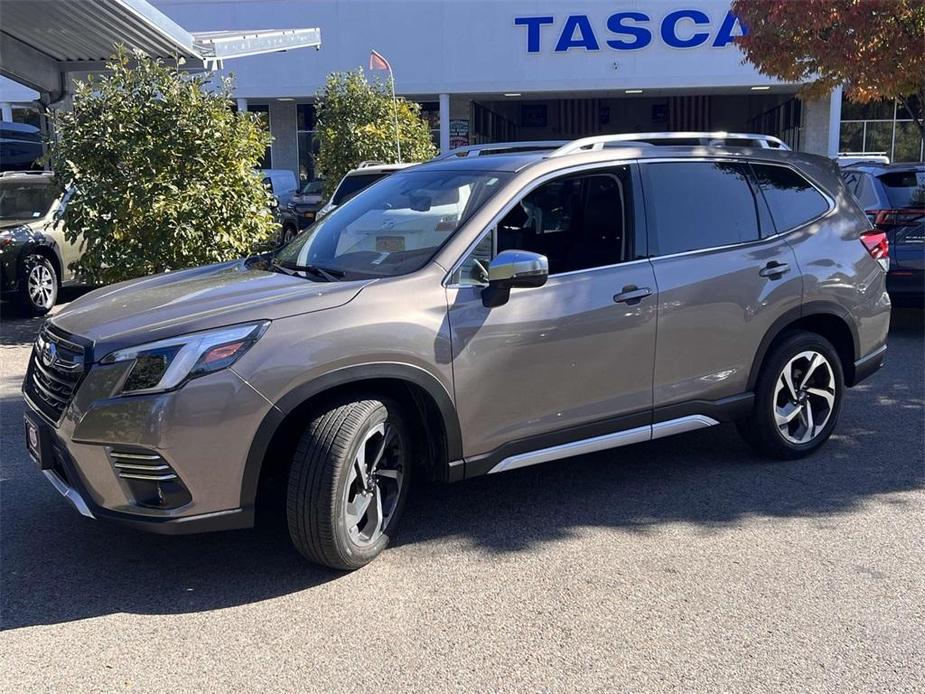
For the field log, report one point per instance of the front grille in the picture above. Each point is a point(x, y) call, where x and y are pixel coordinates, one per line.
point(57, 365)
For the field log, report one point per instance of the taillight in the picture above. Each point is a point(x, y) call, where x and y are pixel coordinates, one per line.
point(878, 245)
point(893, 218)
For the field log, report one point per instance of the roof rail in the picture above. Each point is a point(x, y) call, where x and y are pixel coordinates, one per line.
point(501, 147)
point(370, 162)
point(707, 139)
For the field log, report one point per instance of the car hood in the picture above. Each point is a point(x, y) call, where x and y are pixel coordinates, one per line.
point(170, 304)
point(10, 223)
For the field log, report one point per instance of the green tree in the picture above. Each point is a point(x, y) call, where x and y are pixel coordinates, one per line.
point(356, 122)
point(875, 48)
point(162, 170)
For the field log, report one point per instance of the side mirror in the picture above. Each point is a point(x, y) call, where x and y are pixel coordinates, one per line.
point(510, 270)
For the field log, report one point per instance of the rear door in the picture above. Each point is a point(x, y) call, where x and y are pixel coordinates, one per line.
point(723, 275)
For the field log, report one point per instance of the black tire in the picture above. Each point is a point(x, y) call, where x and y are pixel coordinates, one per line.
point(37, 268)
point(289, 233)
point(761, 430)
point(323, 479)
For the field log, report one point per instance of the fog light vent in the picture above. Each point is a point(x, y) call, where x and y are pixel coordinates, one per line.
point(141, 466)
point(149, 478)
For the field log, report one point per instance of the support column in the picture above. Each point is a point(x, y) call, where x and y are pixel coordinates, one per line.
point(834, 121)
point(444, 123)
point(6, 109)
point(242, 105)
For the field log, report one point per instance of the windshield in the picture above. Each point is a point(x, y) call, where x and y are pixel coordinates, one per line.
point(21, 199)
point(905, 188)
point(351, 185)
point(393, 228)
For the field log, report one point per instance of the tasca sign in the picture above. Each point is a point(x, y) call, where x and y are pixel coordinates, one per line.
point(627, 31)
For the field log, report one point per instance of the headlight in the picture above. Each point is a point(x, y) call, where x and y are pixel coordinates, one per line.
point(166, 364)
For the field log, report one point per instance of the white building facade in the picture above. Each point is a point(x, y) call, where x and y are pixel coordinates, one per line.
point(500, 70)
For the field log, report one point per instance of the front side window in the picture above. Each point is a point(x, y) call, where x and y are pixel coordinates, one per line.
point(699, 205)
point(392, 228)
point(577, 222)
point(793, 200)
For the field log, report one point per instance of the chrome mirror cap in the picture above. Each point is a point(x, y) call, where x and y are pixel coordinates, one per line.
point(514, 268)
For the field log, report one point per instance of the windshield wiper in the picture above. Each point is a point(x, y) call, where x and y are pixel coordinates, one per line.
point(327, 274)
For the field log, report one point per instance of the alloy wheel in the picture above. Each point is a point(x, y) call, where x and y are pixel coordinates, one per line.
point(374, 484)
point(41, 286)
point(804, 397)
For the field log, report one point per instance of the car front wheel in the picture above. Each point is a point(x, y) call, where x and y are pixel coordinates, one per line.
point(797, 398)
point(38, 283)
point(348, 482)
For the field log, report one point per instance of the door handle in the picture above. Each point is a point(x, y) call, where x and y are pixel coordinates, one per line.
point(632, 294)
point(774, 270)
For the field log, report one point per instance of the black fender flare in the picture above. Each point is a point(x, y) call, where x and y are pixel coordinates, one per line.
point(396, 371)
point(788, 318)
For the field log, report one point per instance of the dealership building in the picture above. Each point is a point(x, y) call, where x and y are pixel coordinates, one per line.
point(501, 70)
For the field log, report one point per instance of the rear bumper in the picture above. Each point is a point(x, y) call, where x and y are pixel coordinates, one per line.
point(905, 284)
point(868, 365)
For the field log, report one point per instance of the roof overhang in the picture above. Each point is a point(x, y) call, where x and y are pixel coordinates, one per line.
point(40, 42)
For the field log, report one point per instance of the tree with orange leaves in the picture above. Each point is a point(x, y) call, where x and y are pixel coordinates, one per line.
point(875, 49)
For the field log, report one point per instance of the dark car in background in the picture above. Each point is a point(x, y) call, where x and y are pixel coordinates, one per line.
point(306, 202)
point(34, 255)
point(20, 146)
point(893, 197)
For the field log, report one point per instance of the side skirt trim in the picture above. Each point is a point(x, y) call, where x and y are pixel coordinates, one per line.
point(601, 443)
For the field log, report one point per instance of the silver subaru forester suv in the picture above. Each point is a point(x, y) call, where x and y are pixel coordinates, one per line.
point(462, 317)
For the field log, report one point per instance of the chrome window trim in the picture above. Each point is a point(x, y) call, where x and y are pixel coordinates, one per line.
point(526, 189)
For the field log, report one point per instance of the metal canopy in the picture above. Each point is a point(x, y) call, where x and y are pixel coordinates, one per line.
point(42, 41)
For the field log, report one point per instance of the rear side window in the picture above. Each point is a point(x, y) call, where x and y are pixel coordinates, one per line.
point(793, 200)
point(697, 205)
point(904, 188)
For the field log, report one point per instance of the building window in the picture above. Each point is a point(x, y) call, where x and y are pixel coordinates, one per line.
point(430, 112)
point(263, 114)
point(784, 121)
point(883, 126)
point(308, 143)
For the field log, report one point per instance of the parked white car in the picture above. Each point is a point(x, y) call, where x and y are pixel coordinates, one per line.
point(356, 180)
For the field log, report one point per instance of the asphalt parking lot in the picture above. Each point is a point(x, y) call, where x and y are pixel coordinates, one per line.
point(684, 564)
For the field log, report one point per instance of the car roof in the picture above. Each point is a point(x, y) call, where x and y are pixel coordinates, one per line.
point(379, 168)
point(873, 168)
point(625, 152)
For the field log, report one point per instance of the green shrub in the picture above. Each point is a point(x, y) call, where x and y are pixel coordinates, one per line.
point(162, 169)
point(356, 122)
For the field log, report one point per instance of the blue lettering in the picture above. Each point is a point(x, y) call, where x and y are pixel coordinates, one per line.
point(642, 37)
point(533, 25)
point(585, 38)
point(725, 36)
point(670, 26)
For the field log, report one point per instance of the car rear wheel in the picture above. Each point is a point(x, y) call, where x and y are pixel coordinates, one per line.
point(38, 283)
point(797, 398)
point(348, 483)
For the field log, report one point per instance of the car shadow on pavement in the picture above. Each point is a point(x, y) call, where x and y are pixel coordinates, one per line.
point(59, 567)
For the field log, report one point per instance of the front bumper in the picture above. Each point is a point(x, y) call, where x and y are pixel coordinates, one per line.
point(65, 479)
point(201, 433)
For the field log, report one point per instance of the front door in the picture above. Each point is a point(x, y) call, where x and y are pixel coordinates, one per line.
point(572, 359)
